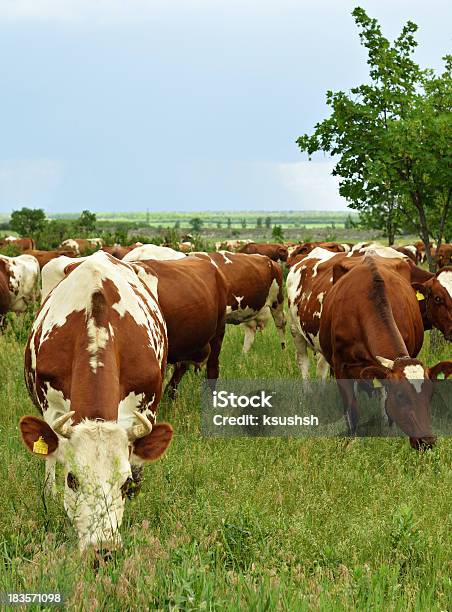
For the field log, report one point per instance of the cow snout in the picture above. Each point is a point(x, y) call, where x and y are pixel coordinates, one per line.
point(423, 443)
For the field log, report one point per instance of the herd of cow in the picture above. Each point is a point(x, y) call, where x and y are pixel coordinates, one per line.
point(110, 322)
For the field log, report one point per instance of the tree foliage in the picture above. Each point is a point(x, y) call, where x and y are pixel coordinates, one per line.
point(392, 136)
point(28, 221)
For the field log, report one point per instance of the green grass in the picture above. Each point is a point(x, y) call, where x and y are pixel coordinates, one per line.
point(243, 524)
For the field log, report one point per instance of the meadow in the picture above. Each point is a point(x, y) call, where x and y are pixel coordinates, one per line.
point(238, 524)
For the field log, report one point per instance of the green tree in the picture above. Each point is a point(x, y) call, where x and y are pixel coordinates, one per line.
point(259, 222)
point(28, 221)
point(268, 222)
point(196, 224)
point(277, 233)
point(243, 222)
point(229, 223)
point(392, 137)
point(87, 222)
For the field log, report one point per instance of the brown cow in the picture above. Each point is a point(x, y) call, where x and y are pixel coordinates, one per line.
point(119, 251)
point(192, 295)
point(80, 245)
point(434, 293)
point(276, 252)
point(443, 255)
point(254, 292)
point(5, 297)
point(420, 248)
point(22, 244)
point(371, 327)
point(407, 251)
point(44, 257)
point(96, 356)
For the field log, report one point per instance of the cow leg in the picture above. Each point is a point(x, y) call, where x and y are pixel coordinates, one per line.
point(279, 318)
point(250, 333)
point(349, 401)
point(302, 357)
point(49, 478)
point(322, 367)
point(213, 362)
point(179, 371)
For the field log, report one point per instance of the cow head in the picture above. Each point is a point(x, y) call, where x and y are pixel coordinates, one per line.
point(435, 297)
point(408, 389)
point(97, 457)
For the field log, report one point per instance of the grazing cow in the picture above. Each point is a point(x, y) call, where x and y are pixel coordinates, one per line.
point(230, 245)
point(44, 257)
point(81, 245)
point(94, 367)
point(276, 252)
point(443, 255)
point(22, 244)
point(152, 251)
point(305, 248)
point(254, 292)
point(22, 276)
point(192, 295)
point(434, 293)
point(371, 327)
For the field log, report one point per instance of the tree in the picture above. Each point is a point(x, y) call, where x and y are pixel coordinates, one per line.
point(277, 233)
point(196, 224)
point(243, 222)
point(392, 136)
point(87, 222)
point(229, 223)
point(259, 223)
point(268, 222)
point(27, 221)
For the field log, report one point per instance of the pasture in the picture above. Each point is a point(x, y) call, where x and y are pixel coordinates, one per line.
point(252, 524)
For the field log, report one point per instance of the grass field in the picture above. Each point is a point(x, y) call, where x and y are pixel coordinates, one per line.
point(243, 524)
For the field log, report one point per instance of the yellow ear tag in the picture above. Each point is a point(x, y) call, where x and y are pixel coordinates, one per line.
point(376, 383)
point(420, 296)
point(40, 446)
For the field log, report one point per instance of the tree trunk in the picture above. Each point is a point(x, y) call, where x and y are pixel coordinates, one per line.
point(423, 230)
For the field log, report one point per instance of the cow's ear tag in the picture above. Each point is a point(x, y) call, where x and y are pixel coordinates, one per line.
point(41, 447)
point(420, 296)
point(376, 383)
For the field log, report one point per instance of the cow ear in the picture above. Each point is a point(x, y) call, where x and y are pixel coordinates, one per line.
point(152, 446)
point(443, 369)
point(39, 437)
point(71, 267)
point(342, 268)
point(422, 291)
point(378, 372)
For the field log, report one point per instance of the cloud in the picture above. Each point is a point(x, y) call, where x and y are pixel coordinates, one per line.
point(26, 181)
point(311, 184)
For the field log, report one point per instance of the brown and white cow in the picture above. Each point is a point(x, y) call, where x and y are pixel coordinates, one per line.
point(371, 327)
point(443, 255)
point(94, 367)
point(80, 246)
point(255, 292)
point(22, 244)
point(276, 252)
point(22, 276)
point(54, 272)
point(300, 251)
point(153, 251)
point(192, 295)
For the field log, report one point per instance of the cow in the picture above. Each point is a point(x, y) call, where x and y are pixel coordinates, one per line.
point(434, 293)
point(5, 296)
point(305, 248)
point(53, 272)
point(407, 251)
point(22, 244)
point(22, 276)
point(443, 255)
point(420, 248)
point(185, 247)
point(193, 297)
point(254, 292)
point(276, 252)
point(371, 328)
point(152, 251)
point(43, 257)
point(119, 251)
point(94, 367)
point(230, 245)
point(81, 245)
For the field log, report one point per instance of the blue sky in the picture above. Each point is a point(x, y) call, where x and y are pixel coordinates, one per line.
point(117, 105)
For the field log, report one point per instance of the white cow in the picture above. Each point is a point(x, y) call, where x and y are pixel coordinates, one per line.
point(53, 272)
